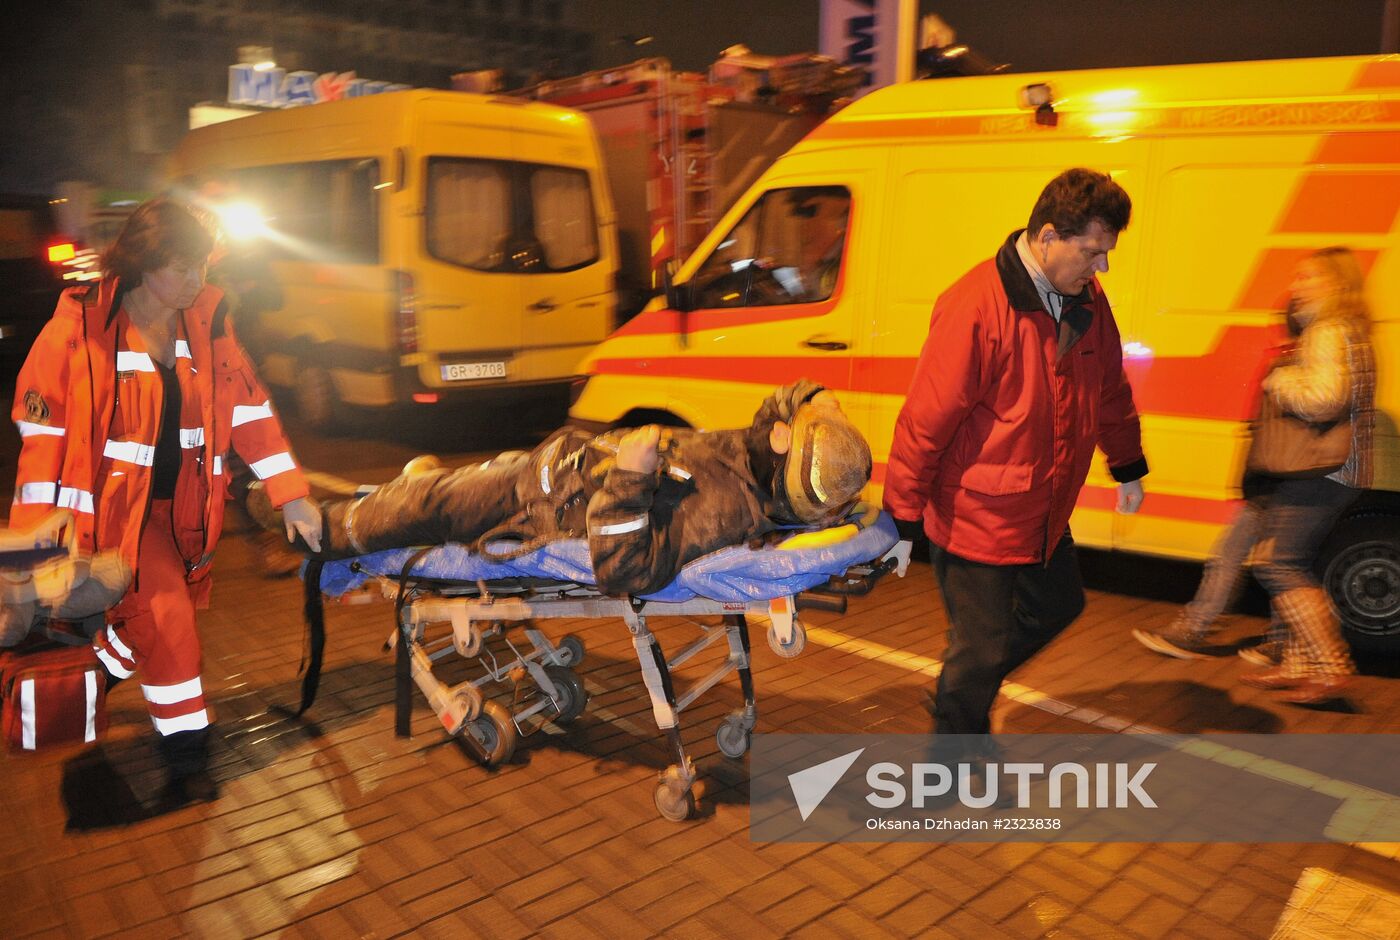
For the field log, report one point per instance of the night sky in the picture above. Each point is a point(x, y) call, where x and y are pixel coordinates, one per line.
point(1061, 34)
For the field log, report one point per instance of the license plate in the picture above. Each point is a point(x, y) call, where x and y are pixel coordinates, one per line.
point(469, 371)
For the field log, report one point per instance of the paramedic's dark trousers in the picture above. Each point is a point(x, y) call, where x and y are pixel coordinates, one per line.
point(999, 616)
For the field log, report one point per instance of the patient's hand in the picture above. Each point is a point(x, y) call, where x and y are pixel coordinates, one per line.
point(637, 449)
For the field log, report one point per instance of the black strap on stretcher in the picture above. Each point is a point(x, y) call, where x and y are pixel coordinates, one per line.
point(313, 612)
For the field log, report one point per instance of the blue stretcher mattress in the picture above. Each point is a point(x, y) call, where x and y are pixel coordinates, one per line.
point(734, 574)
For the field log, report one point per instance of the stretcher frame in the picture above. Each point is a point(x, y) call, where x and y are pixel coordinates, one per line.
point(478, 611)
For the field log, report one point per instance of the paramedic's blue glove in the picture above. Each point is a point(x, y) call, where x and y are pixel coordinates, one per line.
point(900, 553)
point(303, 517)
point(1129, 496)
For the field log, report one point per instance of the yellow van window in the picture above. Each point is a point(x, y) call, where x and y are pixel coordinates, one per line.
point(787, 249)
point(498, 215)
point(469, 209)
point(322, 210)
point(563, 216)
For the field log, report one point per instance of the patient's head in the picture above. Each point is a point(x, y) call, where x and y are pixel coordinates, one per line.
point(826, 461)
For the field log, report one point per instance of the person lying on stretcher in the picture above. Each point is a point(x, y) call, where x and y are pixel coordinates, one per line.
point(648, 499)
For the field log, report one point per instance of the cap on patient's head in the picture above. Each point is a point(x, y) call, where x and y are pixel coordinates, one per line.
point(828, 464)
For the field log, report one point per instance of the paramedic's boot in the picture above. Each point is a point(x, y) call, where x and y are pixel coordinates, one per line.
point(1180, 639)
point(186, 757)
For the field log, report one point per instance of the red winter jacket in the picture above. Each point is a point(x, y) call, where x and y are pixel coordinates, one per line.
point(88, 405)
point(996, 436)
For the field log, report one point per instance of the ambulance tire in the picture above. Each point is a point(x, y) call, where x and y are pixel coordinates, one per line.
point(1360, 568)
point(314, 392)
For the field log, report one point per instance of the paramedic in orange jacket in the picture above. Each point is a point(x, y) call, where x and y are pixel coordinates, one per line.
point(127, 405)
point(1020, 378)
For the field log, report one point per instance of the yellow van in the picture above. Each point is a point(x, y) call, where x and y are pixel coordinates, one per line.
point(830, 264)
point(427, 245)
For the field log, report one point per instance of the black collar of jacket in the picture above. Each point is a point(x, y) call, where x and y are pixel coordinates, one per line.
point(1077, 312)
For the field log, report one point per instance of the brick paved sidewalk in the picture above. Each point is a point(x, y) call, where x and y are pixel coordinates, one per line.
point(336, 828)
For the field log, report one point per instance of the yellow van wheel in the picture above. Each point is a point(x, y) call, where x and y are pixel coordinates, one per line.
point(316, 401)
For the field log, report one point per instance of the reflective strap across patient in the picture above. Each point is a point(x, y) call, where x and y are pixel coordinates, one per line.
point(618, 528)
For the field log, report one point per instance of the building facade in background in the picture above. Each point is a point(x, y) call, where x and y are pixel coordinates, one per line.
point(102, 92)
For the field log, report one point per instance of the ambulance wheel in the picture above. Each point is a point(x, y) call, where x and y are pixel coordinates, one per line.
point(495, 732)
point(316, 401)
point(571, 649)
point(674, 802)
point(794, 647)
point(573, 697)
point(733, 738)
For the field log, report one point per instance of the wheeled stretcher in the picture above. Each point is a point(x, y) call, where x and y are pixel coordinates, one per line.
point(477, 599)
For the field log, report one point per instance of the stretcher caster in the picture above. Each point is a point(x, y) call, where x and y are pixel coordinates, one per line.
point(572, 697)
point(794, 647)
point(675, 797)
point(571, 651)
point(495, 732)
point(733, 738)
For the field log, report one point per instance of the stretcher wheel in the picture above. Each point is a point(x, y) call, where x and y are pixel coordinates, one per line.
point(495, 730)
point(573, 697)
point(733, 738)
point(674, 802)
point(794, 648)
point(571, 649)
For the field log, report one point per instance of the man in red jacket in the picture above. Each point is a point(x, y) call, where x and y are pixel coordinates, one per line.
point(1020, 377)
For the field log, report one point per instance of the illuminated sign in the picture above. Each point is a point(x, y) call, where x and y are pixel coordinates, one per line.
point(278, 88)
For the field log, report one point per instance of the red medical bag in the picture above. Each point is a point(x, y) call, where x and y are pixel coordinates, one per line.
point(53, 696)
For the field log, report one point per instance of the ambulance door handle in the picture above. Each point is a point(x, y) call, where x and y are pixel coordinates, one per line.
point(830, 345)
point(543, 305)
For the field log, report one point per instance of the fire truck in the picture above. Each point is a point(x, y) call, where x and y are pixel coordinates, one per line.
point(681, 147)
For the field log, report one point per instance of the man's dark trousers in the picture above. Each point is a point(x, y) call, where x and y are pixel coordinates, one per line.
point(999, 616)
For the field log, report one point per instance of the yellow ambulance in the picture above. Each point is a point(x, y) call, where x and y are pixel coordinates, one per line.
point(428, 246)
point(829, 266)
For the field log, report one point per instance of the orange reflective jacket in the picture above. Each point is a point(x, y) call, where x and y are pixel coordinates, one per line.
point(88, 405)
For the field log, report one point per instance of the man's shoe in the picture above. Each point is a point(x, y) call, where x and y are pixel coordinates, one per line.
point(1318, 690)
point(1274, 678)
point(1177, 641)
point(1266, 654)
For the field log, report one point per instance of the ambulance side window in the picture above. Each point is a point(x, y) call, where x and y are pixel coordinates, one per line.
point(787, 249)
